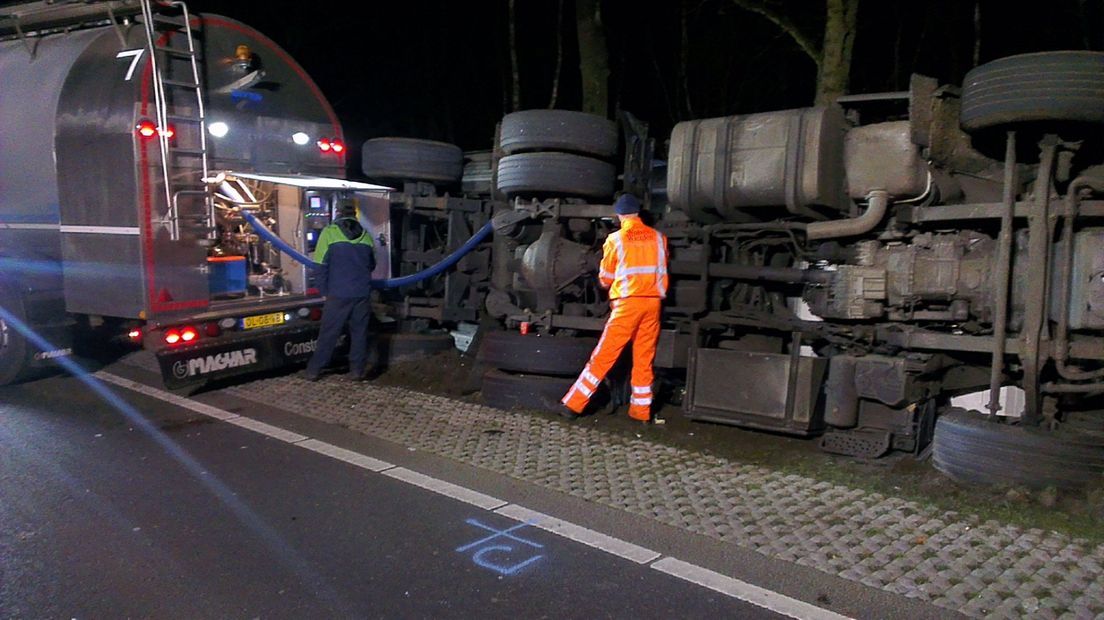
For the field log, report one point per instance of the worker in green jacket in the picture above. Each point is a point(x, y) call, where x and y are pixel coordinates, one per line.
point(346, 257)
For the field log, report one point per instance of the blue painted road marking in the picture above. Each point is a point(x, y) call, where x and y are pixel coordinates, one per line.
point(479, 557)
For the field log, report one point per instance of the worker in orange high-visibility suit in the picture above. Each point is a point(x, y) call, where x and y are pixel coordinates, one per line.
point(634, 269)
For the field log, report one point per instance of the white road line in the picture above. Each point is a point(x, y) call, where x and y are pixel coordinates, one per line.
point(580, 534)
point(767, 599)
point(207, 410)
point(348, 456)
point(168, 397)
point(448, 489)
point(267, 429)
point(761, 597)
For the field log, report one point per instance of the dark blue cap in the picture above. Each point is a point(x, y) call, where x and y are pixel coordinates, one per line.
point(627, 204)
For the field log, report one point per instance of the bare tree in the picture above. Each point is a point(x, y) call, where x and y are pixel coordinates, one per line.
point(1086, 21)
point(593, 57)
point(977, 33)
point(559, 55)
point(832, 55)
point(684, 57)
point(516, 82)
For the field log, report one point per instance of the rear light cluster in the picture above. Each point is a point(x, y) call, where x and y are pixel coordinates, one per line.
point(331, 145)
point(181, 335)
point(184, 334)
point(148, 129)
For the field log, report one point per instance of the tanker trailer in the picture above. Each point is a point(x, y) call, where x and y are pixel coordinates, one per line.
point(905, 270)
point(135, 136)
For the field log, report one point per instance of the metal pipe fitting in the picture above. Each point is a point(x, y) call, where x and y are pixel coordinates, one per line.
point(877, 202)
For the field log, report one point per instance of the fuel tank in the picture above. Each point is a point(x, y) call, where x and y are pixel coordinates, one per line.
point(758, 166)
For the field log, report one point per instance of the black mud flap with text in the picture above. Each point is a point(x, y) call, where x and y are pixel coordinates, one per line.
point(197, 364)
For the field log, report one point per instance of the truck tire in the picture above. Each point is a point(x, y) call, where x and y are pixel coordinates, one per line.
point(506, 391)
point(1046, 86)
point(543, 355)
point(557, 130)
point(555, 173)
point(14, 349)
point(972, 449)
point(477, 173)
point(407, 159)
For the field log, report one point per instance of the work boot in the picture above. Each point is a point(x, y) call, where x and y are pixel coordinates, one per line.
point(362, 375)
point(566, 413)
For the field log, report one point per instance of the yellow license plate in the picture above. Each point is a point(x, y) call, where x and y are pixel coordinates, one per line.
point(263, 320)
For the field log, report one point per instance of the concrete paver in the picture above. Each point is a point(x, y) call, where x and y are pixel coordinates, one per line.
point(983, 569)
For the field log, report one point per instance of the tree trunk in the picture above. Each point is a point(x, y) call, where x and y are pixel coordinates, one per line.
point(839, 41)
point(593, 57)
point(977, 34)
point(833, 57)
point(1086, 25)
point(684, 58)
point(516, 82)
point(559, 55)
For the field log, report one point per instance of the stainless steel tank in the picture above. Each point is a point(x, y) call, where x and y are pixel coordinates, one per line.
point(78, 184)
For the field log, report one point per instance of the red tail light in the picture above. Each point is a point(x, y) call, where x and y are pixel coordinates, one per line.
point(135, 335)
point(146, 129)
point(325, 145)
point(172, 336)
point(213, 330)
point(315, 314)
point(338, 146)
point(188, 334)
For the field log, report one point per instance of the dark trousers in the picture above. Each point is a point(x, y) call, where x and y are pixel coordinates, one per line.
point(336, 313)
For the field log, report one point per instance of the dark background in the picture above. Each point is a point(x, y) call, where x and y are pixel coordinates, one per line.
point(440, 70)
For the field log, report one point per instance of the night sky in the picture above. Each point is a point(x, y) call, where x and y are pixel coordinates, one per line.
point(439, 70)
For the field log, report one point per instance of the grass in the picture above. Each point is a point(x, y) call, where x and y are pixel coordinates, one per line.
point(895, 476)
point(921, 483)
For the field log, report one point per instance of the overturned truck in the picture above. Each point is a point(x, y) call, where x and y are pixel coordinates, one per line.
point(880, 273)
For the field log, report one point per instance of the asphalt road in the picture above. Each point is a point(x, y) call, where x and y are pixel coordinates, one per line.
point(172, 514)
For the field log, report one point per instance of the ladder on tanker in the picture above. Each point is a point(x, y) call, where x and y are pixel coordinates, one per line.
point(180, 114)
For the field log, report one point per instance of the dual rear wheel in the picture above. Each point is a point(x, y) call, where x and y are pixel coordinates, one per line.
point(558, 153)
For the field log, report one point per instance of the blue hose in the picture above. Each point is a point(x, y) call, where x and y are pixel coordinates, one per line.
point(445, 263)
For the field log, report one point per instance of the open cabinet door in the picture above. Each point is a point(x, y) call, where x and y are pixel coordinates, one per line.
point(375, 216)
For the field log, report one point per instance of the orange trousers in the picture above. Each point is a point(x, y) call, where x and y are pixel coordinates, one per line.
point(633, 319)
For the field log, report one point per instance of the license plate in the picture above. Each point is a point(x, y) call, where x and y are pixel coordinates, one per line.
point(263, 320)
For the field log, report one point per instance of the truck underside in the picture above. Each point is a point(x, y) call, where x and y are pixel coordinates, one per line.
point(878, 273)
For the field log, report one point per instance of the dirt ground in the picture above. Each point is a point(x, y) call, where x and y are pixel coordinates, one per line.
point(1078, 513)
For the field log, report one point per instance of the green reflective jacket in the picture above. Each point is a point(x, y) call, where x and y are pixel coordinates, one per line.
point(332, 234)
